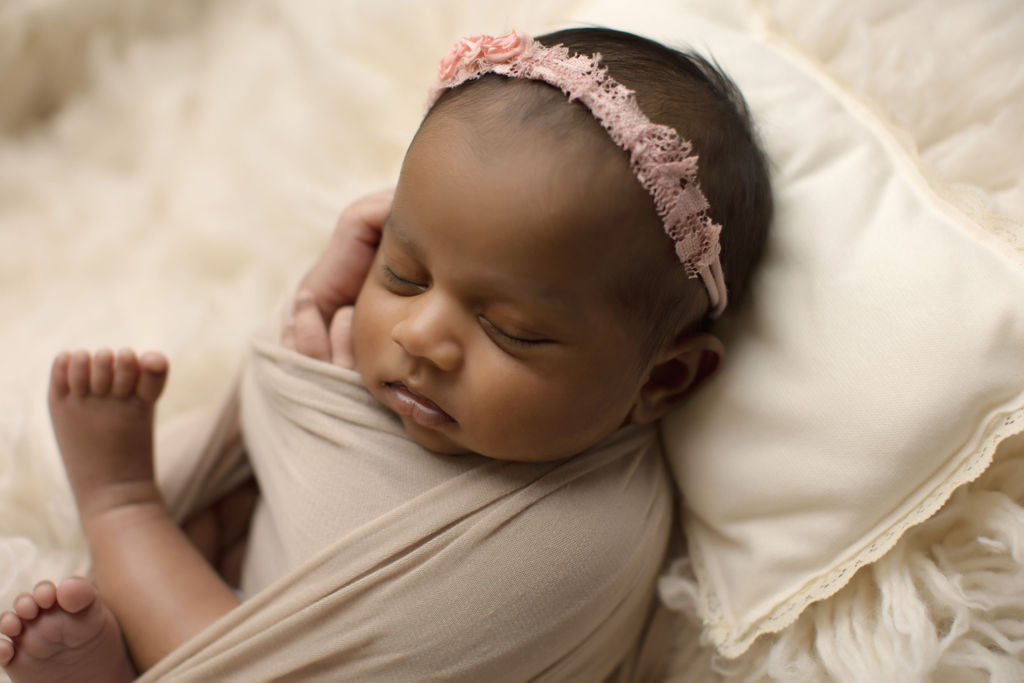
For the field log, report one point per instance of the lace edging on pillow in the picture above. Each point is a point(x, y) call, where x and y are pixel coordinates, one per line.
point(732, 644)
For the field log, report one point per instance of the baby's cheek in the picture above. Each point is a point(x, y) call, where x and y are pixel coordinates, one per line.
point(525, 421)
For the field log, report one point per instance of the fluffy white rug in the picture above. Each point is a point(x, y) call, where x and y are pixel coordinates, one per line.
point(167, 169)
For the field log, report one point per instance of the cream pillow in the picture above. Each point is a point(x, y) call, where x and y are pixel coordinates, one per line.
point(876, 367)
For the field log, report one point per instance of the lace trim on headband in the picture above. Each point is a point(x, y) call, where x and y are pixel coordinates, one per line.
point(661, 160)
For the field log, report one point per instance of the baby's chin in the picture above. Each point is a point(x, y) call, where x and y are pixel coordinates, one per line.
point(433, 440)
point(442, 444)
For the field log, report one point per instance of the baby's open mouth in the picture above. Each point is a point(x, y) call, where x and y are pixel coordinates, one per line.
point(409, 403)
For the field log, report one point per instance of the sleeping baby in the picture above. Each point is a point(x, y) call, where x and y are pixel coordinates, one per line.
point(452, 426)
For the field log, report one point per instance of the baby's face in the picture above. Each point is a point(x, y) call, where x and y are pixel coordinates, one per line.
point(486, 321)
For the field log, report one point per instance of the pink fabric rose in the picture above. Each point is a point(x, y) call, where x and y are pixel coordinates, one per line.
point(493, 50)
point(463, 52)
point(508, 46)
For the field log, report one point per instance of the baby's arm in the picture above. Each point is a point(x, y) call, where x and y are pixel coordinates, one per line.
point(155, 581)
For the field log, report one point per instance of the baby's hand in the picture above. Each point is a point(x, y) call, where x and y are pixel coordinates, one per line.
point(337, 276)
point(330, 288)
point(341, 338)
point(306, 332)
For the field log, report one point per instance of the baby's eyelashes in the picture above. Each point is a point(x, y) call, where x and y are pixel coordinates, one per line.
point(513, 339)
point(507, 338)
point(401, 285)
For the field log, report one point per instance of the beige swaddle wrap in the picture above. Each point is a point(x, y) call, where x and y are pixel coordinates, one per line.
point(373, 559)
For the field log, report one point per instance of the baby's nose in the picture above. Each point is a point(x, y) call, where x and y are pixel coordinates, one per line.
point(428, 332)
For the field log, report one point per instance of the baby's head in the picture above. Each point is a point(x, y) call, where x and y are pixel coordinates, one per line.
point(525, 301)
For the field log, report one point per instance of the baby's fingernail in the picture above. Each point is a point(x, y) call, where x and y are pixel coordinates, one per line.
point(304, 298)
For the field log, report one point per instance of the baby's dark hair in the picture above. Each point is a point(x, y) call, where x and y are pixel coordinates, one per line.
point(692, 95)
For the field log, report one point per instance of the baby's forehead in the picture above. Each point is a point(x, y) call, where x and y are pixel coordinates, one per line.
point(530, 128)
point(550, 156)
point(528, 112)
point(565, 183)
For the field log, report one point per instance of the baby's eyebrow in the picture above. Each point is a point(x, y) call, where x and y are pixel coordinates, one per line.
point(553, 304)
point(394, 229)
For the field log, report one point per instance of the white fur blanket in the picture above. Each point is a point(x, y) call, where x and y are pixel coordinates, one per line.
point(153, 195)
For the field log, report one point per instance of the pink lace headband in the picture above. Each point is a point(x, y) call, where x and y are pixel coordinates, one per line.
point(661, 160)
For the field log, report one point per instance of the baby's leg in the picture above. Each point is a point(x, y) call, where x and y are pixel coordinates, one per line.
point(153, 579)
point(221, 531)
point(63, 633)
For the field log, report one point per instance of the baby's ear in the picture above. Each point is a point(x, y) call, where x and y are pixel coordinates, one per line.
point(677, 371)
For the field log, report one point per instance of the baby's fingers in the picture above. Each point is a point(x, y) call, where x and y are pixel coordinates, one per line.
point(305, 331)
point(341, 338)
point(288, 334)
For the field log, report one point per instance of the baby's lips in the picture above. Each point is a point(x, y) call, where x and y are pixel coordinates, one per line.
point(409, 403)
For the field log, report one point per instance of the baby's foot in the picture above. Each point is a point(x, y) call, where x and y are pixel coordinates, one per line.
point(102, 408)
point(63, 633)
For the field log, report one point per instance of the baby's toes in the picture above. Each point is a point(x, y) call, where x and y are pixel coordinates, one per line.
point(126, 374)
point(26, 607)
point(75, 594)
point(102, 375)
point(78, 373)
point(6, 652)
point(45, 594)
point(152, 376)
point(59, 385)
point(10, 624)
